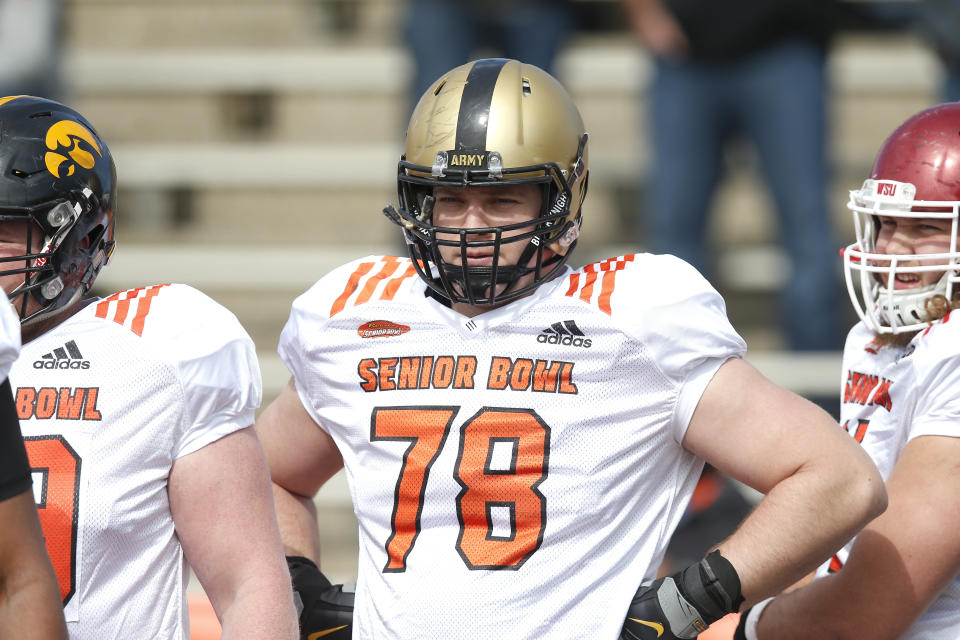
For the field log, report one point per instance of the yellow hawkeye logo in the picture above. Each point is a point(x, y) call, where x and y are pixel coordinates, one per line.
point(326, 632)
point(653, 625)
point(63, 140)
point(7, 99)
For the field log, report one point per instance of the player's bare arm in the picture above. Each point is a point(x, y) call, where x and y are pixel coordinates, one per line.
point(656, 28)
point(898, 563)
point(223, 511)
point(820, 486)
point(302, 458)
point(30, 606)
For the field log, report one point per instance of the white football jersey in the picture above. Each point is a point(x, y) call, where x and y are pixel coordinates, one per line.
point(519, 473)
point(108, 400)
point(890, 396)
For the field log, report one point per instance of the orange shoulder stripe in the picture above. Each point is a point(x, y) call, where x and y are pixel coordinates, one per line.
point(390, 265)
point(391, 289)
point(574, 284)
point(387, 271)
point(123, 299)
point(606, 290)
point(104, 305)
point(348, 290)
point(587, 291)
point(609, 270)
point(143, 308)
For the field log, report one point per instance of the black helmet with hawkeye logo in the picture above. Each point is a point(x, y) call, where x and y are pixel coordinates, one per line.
point(57, 176)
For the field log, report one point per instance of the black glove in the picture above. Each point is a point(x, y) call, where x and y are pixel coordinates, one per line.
point(324, 608)
point(682, 605)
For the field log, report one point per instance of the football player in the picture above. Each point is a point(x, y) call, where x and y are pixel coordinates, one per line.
point(136, 409)
point(30, 601)
point(520, 437)
point(900, 576)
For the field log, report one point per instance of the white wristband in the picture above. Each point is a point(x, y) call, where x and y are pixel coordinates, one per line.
point(753, 616)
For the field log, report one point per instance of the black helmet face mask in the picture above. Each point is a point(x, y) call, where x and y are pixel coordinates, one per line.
point(514, 126)
point(57, 189)
point(516, 249)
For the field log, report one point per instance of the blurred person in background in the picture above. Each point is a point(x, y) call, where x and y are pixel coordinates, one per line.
point(442, 34)
point(31, 43)
point(936, 22)
point(754, 69)
point(30, 606)
point(939, 23)
point(521, 437)
point(136, 409)
point(900, 576)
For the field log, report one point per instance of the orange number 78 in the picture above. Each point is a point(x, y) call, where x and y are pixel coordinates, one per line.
point(510, 487)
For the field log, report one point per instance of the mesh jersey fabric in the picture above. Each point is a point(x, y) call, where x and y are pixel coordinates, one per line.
point(14, 471)
point(889, 397)
point(108, 401)
point(519, 472)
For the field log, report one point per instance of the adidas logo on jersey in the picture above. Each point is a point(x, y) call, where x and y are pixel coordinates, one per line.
point(66, 357)
point(566, 333)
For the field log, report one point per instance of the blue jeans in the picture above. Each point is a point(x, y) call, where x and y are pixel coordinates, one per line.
point(443, 34)
point(777, 99)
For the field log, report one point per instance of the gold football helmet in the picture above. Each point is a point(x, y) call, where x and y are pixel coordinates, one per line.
point(487, 123)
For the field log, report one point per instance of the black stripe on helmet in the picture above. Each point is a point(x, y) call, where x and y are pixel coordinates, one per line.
point(475, 105)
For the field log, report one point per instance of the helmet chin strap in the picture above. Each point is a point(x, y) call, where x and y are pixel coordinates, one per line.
point(908, 307)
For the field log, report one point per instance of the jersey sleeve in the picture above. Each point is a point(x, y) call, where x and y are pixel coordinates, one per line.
point(309, 315)
point(216, 363)
point(682, 321)
point(937, 409)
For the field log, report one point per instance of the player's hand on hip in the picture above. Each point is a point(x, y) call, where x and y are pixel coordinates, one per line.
point(325, 610)
point(684, 604)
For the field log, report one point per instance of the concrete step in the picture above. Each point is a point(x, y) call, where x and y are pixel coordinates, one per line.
point(357, 94)
point(333, 193)
point(291, 194)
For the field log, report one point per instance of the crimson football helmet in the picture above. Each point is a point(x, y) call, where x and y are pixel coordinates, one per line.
point(56, 173)
point(916, 175)
point(488, 123)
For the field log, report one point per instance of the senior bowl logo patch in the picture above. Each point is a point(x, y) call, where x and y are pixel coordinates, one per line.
point(381, 329)
point(65, 153)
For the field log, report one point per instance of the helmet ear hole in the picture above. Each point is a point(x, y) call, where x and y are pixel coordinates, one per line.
point(93, 238)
